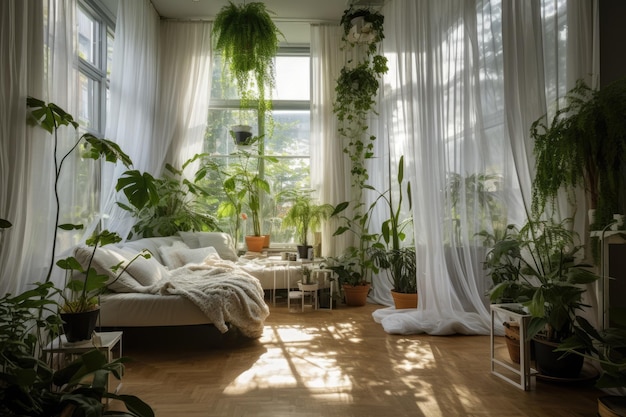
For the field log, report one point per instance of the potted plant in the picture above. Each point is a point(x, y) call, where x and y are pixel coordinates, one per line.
point(362, 25)
point(242, 134)
point(30, 385)
point(80, 308)
point(399, 262)
point(247, 38)
point(306, 216)
point(166, 205)
point(606, 348)
point(51, 118)
point(584, 144)
point(549, 285)
point(244, 189)
point(356, 90)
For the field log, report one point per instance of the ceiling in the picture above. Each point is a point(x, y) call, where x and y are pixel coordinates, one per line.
point(292, 17)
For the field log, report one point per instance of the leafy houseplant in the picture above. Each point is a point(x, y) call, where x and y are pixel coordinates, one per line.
point(247, 38)
point(243, 186)
point(356, 90)
point(30, 386)
point(584, 144)
point(549, 284)
point(51, 118)
point(398, 261)
point(306, 216)
point(80, 297)
point(165, 205)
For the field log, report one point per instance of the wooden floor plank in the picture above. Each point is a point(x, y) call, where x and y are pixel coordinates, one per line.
point(323, 363)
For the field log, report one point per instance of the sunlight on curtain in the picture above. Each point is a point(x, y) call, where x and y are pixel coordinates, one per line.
point(330, 170)
point(184, 90)
point(458, 106)
point(39, 58)
point(130, 122)
point(21, 46)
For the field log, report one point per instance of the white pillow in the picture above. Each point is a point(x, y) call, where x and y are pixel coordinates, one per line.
point(171, 254)
point(222, 242)
point(197, 256)
point(103, 260)
point(147, 272)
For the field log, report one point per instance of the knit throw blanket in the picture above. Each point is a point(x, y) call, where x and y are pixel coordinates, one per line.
point(223, 292)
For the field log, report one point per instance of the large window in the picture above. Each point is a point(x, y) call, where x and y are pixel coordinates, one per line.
point(285, 135)
point(95, 50)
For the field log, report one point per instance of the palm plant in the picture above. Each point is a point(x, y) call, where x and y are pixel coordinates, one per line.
point(305, 215)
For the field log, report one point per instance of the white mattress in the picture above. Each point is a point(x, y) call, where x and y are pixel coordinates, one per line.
point(138, 310)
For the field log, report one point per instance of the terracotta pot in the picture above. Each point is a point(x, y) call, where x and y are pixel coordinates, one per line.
point(511, 334)
point(79, 326)
point(266, 242)
point(255, 243)
point(356, 296)
point(403, 300)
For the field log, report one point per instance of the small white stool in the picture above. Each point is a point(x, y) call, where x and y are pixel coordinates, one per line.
point(303, 291)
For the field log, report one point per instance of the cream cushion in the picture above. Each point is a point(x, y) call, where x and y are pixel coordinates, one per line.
point(222, 242)
point(171, 254)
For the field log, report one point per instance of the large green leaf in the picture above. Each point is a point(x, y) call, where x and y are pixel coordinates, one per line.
point(139, 188)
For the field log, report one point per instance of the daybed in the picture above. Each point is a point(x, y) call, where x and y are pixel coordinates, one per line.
point(192, 278)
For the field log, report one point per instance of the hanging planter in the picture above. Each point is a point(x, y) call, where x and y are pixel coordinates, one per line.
point(247, 38)
point(242, 135)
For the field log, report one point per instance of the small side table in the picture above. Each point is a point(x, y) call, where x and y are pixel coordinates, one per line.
point(522, 376)
point(103, 341)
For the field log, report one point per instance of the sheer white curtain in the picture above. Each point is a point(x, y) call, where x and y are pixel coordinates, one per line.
point(465, 80)
point(26, 161)
point(184, 90)
point(133, 89)
point(330, 170)
point(160, 86)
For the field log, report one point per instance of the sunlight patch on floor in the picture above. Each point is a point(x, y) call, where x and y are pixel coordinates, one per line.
point(293, 360)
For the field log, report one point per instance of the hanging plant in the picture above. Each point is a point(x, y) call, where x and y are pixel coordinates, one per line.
point(363, 26)
point(584, 144)
point(247, 38)
point(357, 87)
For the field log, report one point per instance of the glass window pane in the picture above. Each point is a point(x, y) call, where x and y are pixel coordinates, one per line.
point(291, 71)
point(109, 67)
point(291, 133)
point(87, 38)
point(88, 102)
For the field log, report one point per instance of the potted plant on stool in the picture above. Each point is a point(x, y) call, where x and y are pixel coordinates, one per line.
point(306, 216)
point(550, 285)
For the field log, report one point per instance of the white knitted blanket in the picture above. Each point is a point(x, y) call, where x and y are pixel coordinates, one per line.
point(223, 292)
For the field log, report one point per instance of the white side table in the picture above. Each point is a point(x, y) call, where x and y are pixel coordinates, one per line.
point(103, 341)
point(326, 276)
point(523, 376)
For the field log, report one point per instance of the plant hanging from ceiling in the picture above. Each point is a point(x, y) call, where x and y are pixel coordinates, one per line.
point(247, 38)
point(356, 91)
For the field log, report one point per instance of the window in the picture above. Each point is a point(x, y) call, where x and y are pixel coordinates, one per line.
point(285, 136)
point(95, 52)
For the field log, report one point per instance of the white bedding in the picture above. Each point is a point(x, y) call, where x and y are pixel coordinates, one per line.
point(212, 291)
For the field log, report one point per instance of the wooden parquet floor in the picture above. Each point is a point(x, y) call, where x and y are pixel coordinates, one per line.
point(339, 363)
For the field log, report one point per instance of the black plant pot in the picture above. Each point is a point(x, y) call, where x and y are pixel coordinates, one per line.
point(242, 138)
point(79, 326)
point(555, 364)
point(303, 251)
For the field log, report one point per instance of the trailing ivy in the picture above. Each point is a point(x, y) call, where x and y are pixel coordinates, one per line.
point(356, 91)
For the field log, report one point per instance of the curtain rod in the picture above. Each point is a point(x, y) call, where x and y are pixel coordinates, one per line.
point(280, 20)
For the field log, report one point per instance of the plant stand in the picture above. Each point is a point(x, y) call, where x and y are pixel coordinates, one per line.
point(522, 376)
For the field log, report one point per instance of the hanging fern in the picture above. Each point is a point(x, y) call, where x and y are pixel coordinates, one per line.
point(247, 38)
point(584, 145)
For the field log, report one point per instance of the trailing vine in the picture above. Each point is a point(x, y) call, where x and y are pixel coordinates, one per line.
point(356, 91)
